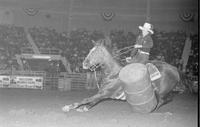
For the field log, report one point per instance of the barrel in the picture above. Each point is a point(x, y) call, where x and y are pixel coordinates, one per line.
point(137, 87)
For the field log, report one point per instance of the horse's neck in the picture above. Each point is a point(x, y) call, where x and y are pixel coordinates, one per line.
point(111, 67)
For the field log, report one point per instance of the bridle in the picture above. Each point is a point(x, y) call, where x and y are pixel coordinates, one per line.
point(94, 67)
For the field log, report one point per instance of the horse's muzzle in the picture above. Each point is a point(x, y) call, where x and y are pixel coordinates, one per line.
point(86, 65)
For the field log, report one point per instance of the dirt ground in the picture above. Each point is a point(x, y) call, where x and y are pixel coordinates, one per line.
point(37, 108)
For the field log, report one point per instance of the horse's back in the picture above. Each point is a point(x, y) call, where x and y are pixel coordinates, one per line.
point(164, 66)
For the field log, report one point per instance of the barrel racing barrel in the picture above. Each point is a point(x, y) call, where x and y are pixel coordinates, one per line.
point(137, 87)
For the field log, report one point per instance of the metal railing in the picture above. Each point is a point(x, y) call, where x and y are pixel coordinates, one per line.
point(50, 51)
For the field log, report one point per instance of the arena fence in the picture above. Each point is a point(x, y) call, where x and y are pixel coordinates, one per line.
point(59, 81)
point(73, 81)
point(48, 81)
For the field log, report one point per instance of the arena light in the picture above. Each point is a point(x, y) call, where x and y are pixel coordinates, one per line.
point(41, 57)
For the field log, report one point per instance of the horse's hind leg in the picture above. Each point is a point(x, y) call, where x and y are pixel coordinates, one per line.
point(159, 100)
point(162, 100)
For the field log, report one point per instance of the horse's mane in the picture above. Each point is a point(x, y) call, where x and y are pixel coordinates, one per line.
point(108, 50)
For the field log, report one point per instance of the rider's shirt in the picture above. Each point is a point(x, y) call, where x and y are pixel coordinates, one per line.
point(146, 42)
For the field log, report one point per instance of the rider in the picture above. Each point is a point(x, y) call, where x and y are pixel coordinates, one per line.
point(143, 45)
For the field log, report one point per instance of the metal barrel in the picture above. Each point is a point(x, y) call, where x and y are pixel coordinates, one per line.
point(138, 89)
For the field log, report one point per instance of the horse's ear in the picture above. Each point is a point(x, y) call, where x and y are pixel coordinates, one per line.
point(102, 43)
point(97, 43)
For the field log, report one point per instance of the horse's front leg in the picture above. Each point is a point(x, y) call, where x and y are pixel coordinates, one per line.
point(108, 89)
point(87, 103)
point(67, 108)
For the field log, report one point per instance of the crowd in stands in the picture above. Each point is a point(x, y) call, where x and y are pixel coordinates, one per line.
point(44, 37)
point(168, 46)
point(12, 39)
point(192, 68)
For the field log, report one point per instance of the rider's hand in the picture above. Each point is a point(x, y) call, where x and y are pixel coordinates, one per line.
point(128, 59)
point(137, 46)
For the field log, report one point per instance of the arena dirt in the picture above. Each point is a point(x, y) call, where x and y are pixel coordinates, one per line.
point(36, 108)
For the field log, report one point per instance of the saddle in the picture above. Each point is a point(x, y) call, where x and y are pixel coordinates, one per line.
point(153, 71)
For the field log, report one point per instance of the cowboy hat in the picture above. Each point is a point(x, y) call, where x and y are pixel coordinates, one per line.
point(148, 27)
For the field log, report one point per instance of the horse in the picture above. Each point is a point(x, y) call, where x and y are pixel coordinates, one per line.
point(111, 85)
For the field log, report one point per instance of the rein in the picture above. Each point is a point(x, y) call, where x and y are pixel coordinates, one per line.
point(128, 48)
point(125, 49)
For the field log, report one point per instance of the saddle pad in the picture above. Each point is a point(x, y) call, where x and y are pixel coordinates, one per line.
point(153, 71)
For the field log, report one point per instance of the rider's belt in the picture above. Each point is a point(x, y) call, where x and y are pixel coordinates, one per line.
point(140, 51)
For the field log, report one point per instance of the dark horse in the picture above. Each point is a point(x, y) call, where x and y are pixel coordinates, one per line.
point(111, 86)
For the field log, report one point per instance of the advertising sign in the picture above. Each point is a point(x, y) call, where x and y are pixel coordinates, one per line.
point(4, 81)
point(21, 82)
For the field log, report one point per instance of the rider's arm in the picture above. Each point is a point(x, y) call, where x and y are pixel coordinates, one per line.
point(138, 43)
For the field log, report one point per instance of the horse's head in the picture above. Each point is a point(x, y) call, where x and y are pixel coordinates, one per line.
point(96, 56)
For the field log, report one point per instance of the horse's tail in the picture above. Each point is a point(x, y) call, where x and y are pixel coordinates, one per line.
point(185, 81)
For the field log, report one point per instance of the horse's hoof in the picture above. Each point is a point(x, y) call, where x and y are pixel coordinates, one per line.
point(84, 109)
point(67, 108)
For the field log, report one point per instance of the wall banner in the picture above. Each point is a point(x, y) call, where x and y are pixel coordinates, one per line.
point(108, 16)
point(187, 16)
point(31, 11)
